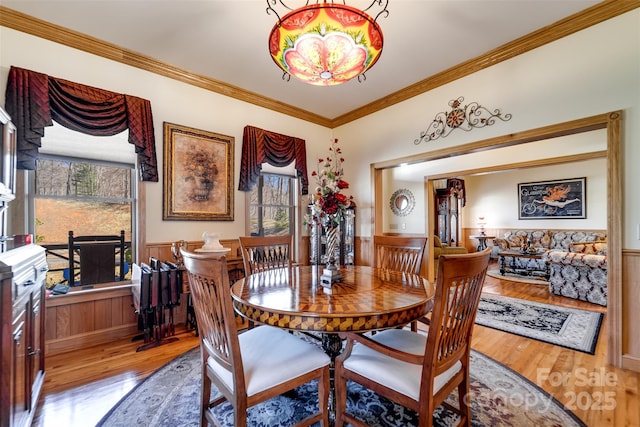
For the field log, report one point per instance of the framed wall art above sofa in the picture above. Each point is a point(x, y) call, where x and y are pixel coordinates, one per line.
point(557, 199)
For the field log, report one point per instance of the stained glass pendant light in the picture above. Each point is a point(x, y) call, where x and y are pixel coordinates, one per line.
point(326, 43)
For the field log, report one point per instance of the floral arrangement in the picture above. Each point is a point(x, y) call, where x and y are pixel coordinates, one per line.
point(328, 201)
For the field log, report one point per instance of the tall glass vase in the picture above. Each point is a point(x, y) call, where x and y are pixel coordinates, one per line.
point(331, 273)
point(332, 234)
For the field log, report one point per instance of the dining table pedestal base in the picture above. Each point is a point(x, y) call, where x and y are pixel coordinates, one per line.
point(332, 345)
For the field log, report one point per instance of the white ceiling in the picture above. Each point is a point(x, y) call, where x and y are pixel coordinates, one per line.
point(227, 39)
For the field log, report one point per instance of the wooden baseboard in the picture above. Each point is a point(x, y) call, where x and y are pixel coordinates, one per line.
point(631, 363)
point(89, 339)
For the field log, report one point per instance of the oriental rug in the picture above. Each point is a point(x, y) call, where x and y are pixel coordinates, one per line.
point(567, 327)
point(499, 397)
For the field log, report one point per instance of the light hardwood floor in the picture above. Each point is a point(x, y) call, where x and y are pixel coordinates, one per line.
point(81, 386)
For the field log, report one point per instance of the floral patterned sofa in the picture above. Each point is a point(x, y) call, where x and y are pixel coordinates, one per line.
point(577, 260)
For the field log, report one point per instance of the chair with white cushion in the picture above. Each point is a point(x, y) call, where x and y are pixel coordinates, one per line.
point(399, 253)
point(414, 370)
point(251, 367)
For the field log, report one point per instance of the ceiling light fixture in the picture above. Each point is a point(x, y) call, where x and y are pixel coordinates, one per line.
point(326, 43)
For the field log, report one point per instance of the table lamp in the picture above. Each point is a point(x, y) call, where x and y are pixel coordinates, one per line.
point(482, 223)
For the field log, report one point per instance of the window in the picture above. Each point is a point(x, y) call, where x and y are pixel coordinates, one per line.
point(272, 205)
point(84, 196)
point(83, 184)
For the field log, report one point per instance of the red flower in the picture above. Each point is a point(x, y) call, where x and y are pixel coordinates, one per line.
point(342, 184)
point(328, 202)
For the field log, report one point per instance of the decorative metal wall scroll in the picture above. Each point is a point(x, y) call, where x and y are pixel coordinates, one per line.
point(472, 115)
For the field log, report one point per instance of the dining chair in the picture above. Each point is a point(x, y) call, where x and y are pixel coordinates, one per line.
point(260, 253)
point(399, 253)
point(415, 370)
point(251, 367)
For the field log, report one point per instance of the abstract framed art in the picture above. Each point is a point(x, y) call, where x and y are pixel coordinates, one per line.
point(198, 174)
point(557, 199)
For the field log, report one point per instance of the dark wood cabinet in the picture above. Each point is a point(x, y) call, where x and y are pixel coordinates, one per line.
point(7, 173)
point(449, 202)
point(23, 272)
point(22, 341)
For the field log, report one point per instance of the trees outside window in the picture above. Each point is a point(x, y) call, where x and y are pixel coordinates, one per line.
point(272, 206)
point(84, 196)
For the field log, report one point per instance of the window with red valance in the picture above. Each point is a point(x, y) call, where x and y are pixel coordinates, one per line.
point(34, 100)
point(260, 146)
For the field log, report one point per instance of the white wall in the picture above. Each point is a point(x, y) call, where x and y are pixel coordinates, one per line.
point(592, 72)
point(171, 101)
point(415, 221)
point(495, 197)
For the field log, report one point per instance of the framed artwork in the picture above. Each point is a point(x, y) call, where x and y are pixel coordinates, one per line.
point(198, 174)
point(565, 198)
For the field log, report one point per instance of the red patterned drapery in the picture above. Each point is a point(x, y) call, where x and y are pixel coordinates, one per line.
point(261, 146)
point(34, 100)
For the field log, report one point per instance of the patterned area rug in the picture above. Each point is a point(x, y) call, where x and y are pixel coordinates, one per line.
point(567, 327)
point(513, 277)
point(500, 397)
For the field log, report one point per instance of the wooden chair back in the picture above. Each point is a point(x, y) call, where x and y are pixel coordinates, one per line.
point(260, 253)
point(444, 352)
point(212, 303)
point(225, 357)
point(399, 253)
point(458, 288)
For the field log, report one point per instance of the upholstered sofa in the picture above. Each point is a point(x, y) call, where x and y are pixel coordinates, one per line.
point(580, 273)
point(577, 260)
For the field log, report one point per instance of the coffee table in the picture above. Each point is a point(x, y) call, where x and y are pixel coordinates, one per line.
point(527, 270)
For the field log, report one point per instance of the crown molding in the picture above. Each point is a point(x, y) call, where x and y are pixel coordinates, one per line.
point(594, 15)
point(28, 24)
point(569, 25)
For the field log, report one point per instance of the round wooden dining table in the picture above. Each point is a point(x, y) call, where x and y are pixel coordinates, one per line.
point(365, 299)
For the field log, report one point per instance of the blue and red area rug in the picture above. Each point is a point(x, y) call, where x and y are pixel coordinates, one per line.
point(500, 397)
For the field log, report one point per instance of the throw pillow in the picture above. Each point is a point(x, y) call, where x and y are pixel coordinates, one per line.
point(515, 241)
point(591, 248)
point(437, 243)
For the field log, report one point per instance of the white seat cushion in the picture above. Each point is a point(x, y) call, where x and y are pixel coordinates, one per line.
point(272, 356)
point(392, 373)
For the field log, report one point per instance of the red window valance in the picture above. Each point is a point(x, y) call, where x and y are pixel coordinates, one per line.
point(261, 146)
point(34, 99)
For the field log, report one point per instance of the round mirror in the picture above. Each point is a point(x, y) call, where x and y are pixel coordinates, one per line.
point(402, 202)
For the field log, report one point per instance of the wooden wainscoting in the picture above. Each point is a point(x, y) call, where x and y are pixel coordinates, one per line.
point(84, 318)
point(105, 313)
point(630, 313)
point(162, 251)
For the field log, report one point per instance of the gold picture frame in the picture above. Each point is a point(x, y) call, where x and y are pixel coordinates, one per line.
point(198, 174)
